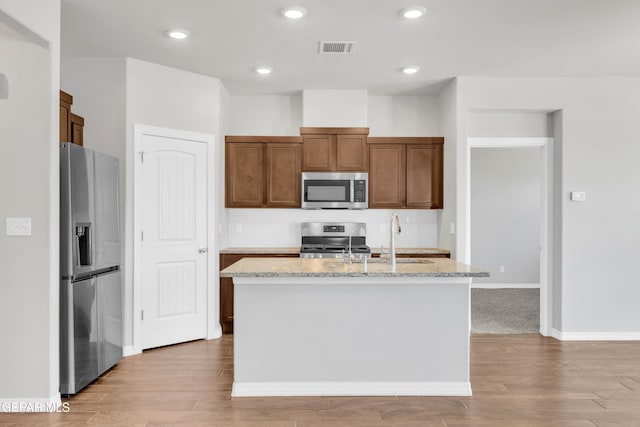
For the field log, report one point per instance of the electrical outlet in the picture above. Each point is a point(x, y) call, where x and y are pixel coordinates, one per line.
point(18, 226)
point(452, 228)
point(238, 227)
point(502, 269)
point(381, 227)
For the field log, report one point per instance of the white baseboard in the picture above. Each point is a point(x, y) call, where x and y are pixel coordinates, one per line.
point(595, 336)
point(216, 333)
point(53, 404)
point(129, 350)
point(363, 388)
point(505, 285)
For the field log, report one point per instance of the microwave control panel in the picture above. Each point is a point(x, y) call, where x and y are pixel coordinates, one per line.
point(359, 190)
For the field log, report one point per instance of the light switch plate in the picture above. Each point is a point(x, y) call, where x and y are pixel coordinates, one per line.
point(578, 196)
point(18, 226)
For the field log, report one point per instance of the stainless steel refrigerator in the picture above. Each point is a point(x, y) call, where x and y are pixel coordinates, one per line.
point(91, 283)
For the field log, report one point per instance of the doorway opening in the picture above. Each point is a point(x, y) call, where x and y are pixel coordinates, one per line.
point(510, 189)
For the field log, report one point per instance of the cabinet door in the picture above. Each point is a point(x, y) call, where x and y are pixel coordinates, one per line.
point(226, 293)
point(244, 175)
point(437, 198)
point(419, 176)
point(65, 116)
point(424, 176)
point(318, 153)
point(77, 127)
point(283, 175)
point(351, 153)
point(386, 175)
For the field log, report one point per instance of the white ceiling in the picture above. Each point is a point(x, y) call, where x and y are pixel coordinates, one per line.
point(455, 38)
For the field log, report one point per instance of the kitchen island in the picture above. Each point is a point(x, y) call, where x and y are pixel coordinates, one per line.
point(325, 327)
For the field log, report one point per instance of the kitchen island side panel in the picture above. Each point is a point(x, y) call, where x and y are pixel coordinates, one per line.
point(353, 330)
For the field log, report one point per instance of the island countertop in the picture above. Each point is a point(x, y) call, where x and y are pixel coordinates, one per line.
point(327, 267)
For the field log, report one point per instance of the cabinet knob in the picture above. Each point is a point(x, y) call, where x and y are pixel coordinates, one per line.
point(203, 250)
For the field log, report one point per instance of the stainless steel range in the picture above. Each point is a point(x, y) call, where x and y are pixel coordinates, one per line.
point(333, 239)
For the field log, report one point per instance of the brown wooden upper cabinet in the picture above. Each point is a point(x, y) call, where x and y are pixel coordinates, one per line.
point(65, 116)
point(71, 125)
point(405, 172)
point(334, 149)
point(262, 171)
point(77, 129)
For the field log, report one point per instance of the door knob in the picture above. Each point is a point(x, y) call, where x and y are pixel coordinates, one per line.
point(202, 250)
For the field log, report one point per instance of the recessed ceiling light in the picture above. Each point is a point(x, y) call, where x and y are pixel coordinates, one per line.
point(264, 70)
point(413, 12)
point(294, 12)
point(178, 34)
point(412, 69)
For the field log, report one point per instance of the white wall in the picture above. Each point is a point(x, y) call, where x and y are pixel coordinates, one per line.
point(505, 214)
point(448, 119)
point(532, 124)
point(98, 89)
point(29, 187)
point(599, 243)
point(403, 116)
point(334, 108)
point(265, 115)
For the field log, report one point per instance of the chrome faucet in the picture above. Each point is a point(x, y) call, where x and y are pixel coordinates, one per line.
point(395, 220)
point(350, 235)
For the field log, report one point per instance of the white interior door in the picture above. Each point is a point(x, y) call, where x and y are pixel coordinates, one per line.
point(174, 239)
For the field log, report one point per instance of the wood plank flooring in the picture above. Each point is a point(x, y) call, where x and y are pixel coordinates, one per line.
point(517, 380)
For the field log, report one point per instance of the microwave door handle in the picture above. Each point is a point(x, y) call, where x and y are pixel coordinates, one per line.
point(351, 191)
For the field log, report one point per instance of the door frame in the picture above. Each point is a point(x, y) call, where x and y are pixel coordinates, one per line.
point(139, 131)
point(546, 213)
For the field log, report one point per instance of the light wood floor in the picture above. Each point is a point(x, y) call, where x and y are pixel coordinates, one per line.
point(517, 380)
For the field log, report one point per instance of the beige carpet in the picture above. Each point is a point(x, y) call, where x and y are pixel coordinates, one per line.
point(505, 311)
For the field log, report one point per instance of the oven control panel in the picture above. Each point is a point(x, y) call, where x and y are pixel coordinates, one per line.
point(333, 228)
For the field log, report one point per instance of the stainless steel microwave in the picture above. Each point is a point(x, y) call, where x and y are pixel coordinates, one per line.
point(335, 190)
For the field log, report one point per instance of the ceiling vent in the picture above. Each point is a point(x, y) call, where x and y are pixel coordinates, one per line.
point(339, 48)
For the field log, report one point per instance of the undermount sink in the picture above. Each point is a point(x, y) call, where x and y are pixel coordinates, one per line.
point(400, 261)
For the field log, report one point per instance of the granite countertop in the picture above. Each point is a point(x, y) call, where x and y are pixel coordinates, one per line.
point(263, 250)
point(325, 267)
point(296, 250)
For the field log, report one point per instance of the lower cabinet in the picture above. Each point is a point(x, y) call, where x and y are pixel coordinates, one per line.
point(226, 285)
